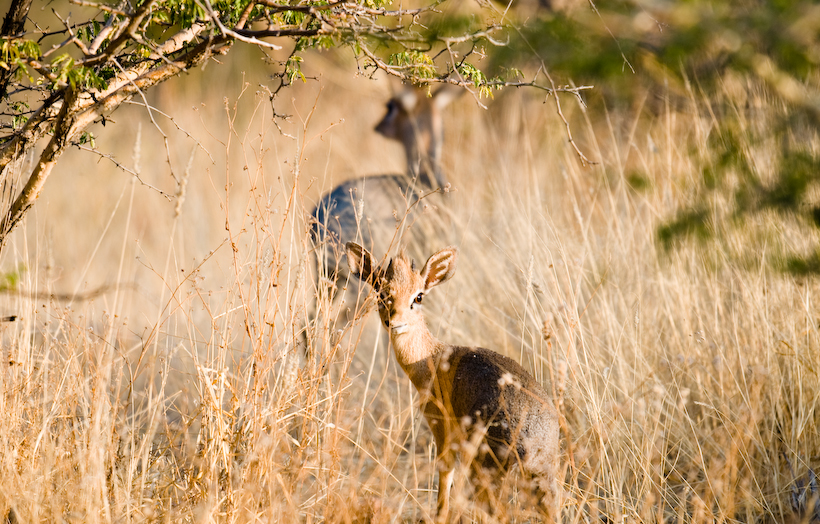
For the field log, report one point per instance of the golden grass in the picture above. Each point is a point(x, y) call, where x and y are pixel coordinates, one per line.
point(685, 381)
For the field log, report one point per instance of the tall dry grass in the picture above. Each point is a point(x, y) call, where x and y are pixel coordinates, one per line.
point(166, 385)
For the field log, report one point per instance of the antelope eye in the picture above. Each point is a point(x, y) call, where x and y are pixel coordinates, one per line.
point(418, 298)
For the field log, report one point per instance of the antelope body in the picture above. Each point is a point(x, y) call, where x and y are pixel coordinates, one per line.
point(471, 397)
point(375, 210)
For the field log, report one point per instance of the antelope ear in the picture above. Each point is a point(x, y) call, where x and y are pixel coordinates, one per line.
point(447, 93)
point(439, 267)
point(407, 99)
point(360, 262)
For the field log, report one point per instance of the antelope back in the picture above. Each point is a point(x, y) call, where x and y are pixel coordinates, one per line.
point(375, 210)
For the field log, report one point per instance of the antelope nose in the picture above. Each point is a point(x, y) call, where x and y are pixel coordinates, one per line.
point(391, 320)
point(399, 328)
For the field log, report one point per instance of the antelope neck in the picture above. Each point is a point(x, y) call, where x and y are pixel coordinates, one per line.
point(415, 351)
point(425, 165)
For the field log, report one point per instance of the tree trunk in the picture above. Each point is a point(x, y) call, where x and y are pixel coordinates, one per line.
point(13, 25)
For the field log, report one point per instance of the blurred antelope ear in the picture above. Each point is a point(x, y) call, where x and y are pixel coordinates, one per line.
point(439, 267)
point(360, 262)
point(407, 99)
point(446, 94)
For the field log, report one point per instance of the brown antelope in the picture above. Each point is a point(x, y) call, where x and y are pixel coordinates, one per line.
point(375, 211)
point(472, 398)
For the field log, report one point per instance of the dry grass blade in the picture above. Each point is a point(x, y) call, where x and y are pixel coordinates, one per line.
point(678, 376)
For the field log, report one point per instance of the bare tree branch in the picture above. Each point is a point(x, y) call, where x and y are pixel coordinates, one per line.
point(78, 112)
point(48, 158)
point(13, 24)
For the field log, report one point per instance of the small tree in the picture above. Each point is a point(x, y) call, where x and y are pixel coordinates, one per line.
point(751, 65)
point(55, 84)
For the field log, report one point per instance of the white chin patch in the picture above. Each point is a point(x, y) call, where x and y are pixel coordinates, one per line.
point(400, 329)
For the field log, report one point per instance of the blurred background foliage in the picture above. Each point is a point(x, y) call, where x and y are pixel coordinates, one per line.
point(750, 64)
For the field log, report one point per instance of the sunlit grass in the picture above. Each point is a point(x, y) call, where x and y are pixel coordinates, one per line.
point(686, 380)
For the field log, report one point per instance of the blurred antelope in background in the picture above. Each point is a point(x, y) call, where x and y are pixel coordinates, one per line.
point(479, 404)
point(376, 211)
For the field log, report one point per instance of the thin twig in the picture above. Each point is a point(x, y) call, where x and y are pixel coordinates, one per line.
point(173, 121)
point(614, 38)
point(101, 7)
point(121, 167)
point(241, 35)
point(461, 82)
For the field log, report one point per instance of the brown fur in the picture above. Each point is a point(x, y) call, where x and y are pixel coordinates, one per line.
point(479, 404)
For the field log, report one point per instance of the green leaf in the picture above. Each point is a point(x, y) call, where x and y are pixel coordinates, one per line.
point(415, 63)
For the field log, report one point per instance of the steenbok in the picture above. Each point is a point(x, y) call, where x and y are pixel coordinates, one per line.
point(479, 404)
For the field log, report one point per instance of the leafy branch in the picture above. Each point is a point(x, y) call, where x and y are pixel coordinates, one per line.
point(55, 84)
